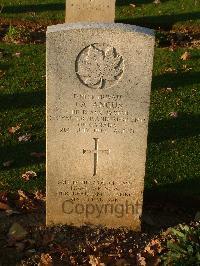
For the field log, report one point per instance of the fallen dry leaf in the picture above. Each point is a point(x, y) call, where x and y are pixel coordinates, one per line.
point(39, 196)
point(28, 175)
point(169, 90)
point(155, 181)
point(2, 73)
point(24, 138)
point(22, 195)
point(186, 68)
point(3, 196)
point(24, 202)
point(140, 260)
point(170, 70)
point(156, 2)
point(17, 54)
point(4, 206)
point(173, 114)
point(17, 232)
point(12, 130)
point(45, 260)
point(94, 261)
point(186, 56)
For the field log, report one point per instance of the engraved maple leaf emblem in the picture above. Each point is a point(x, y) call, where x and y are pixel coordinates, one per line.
point(99, 66)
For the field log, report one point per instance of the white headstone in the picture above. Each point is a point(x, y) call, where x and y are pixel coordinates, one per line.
point(98, 96)
point(90, 11)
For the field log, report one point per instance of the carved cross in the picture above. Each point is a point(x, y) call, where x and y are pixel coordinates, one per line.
point(96, 154)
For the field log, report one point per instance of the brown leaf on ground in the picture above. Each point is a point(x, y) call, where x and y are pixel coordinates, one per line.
point(24, 138)
point(185, 68)
point(38, 154)
point(186, 56)
point(39, 195)
point(151, 252)
point(12, 130)
point(141, 260)
point(22, 195)
point(4, 196)
point(4, 206)
point(17, 232)
point(24, 202)
point(2, 73)
point(169, 90)
point(173, 114)
point(29, 175)
point(94, 261)
point(46, 260)
point(17, 54)
point(170, 70)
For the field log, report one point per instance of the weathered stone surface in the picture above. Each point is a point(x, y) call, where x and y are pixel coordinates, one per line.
point(98, 95)
point(90, 11)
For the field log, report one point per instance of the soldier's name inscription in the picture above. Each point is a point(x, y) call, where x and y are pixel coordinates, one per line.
point(97, 113)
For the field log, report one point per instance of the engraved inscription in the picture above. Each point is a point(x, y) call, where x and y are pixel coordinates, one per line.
point(104, 113)
point(99, 66)
point(96, 154)
point(75, 190)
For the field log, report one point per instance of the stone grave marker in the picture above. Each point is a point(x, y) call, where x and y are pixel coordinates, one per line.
point(98, 95)
point(90, 11)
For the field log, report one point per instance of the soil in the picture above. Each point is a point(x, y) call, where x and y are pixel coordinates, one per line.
point(68, 245)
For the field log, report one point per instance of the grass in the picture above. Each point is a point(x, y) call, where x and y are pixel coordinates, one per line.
point(173, 161)
point(170, 14)
point(22, 102)
point(173, 149)
point(173, 144)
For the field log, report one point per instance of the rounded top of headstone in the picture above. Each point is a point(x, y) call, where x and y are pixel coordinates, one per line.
point(103, 26)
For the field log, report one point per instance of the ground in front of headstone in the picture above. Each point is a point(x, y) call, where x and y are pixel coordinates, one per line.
point(26, 241)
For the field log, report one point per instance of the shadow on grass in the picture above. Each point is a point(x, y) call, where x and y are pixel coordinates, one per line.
point(22, 100)
point(170, 205)
point(174, 128)
point(162, 21)
point(175, 80)
point(4, 66)
point(185, 193)
point(21, 154)
point(33, 8)
point(136, 2)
